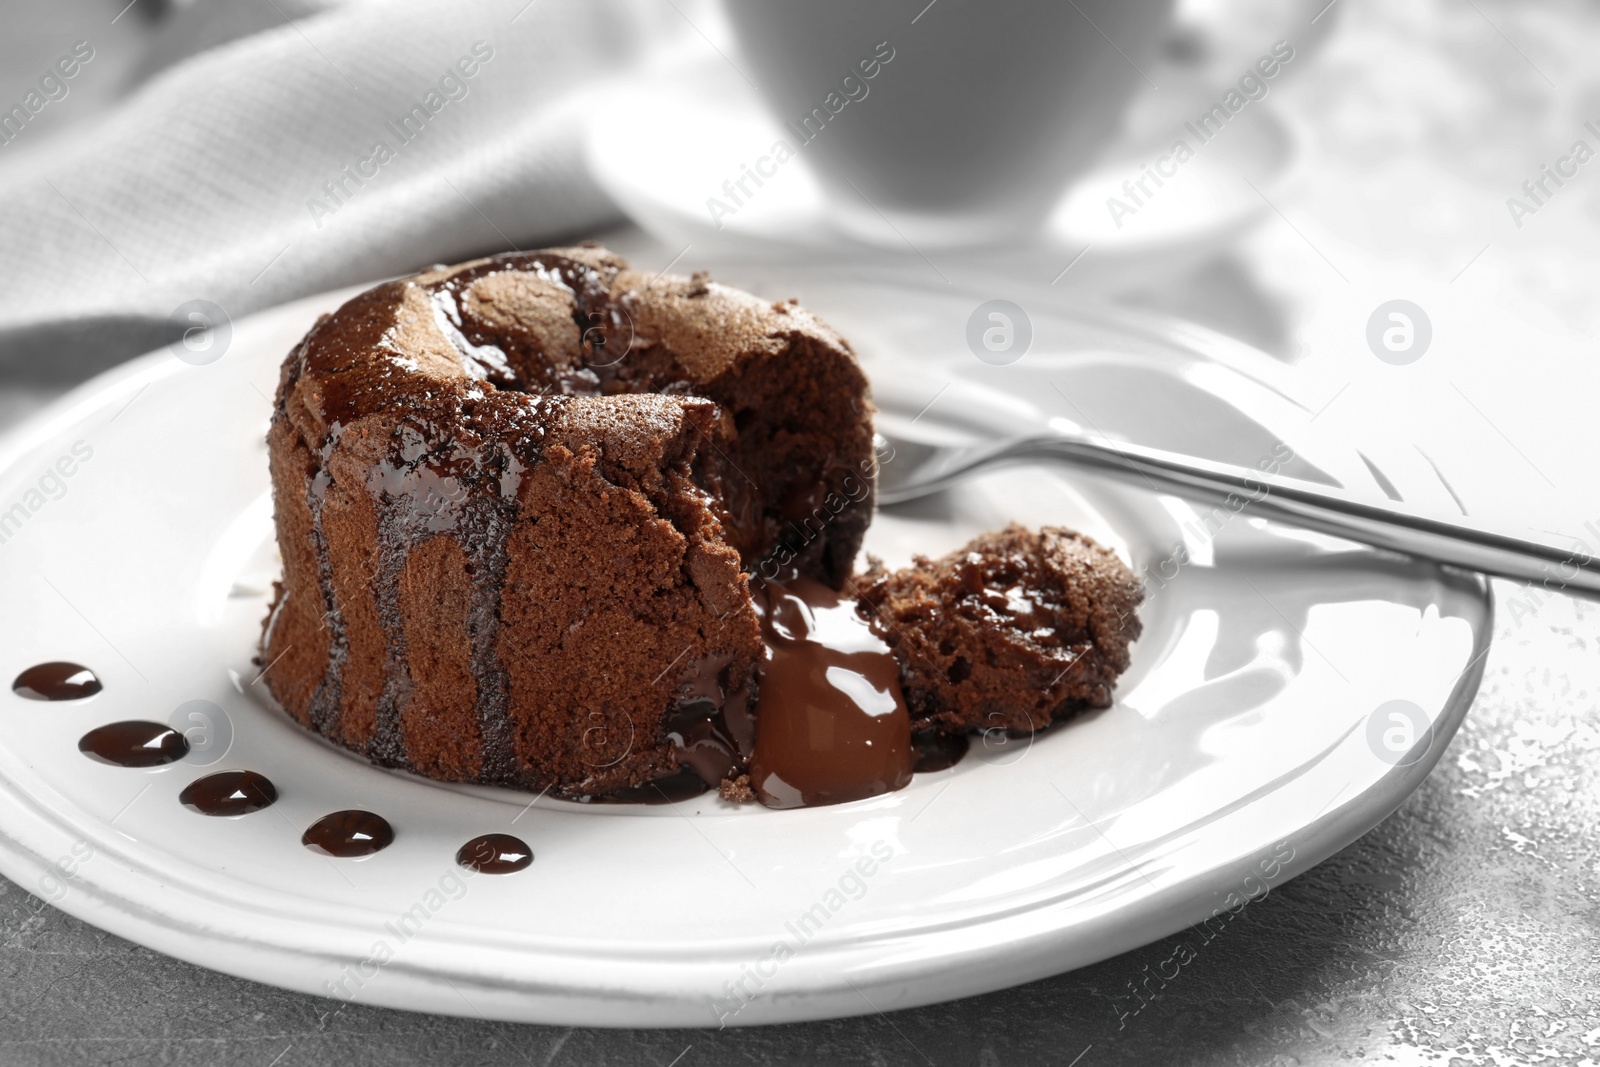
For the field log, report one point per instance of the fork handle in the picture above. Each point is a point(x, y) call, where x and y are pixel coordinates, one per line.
point(1314, 507)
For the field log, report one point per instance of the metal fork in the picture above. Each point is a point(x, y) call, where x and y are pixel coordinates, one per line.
point(919, 469)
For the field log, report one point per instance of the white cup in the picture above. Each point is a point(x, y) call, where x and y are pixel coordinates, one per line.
point(958, 123)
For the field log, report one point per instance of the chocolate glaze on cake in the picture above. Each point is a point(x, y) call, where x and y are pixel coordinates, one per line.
point(517, 500)
point(1014, 631)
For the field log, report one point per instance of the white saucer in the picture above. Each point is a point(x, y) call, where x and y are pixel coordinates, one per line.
point(664, 142)
point(1238, 754)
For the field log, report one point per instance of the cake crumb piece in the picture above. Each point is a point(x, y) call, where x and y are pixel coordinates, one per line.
point(737, 790)
point(1014, 631)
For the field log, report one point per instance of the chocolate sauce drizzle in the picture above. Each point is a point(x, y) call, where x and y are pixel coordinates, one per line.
point(134, 744)
point(387, 745)
point(57, 680)
point(229, 793)
point(938, 752)
point(428, 486)
point(495, 854)
point(327, 702)
point(348, 834)
point(471, 492)
point(492, 476)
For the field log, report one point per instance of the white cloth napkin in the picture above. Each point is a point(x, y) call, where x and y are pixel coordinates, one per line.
point(272, 149)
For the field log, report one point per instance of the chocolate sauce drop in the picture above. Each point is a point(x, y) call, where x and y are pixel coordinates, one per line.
point(56, 681)
point(229, 793)
point(134, 744)
point(831, 723)
point(495, 854)
point(347, 834)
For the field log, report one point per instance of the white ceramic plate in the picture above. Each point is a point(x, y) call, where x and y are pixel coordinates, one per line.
point(1238, 753)
point(665, 141)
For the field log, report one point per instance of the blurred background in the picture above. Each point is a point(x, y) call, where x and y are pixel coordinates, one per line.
point(1425, 153)
point(182, 161)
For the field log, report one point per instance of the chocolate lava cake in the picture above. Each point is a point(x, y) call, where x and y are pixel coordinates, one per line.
point(546, 521)
point(517, 501)
point(1014, 631)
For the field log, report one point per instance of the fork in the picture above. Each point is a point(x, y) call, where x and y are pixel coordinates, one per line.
point(918, 469)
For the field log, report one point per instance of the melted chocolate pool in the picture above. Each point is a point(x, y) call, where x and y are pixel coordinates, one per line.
point(938, 752)
point(56, 681)
point(495, 854)
point(711, 728)
point(347, 834)
point(831, 723)
point(229, 793)
point(134, 744)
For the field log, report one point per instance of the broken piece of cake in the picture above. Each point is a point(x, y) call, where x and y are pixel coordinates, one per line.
point(1015, 631)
